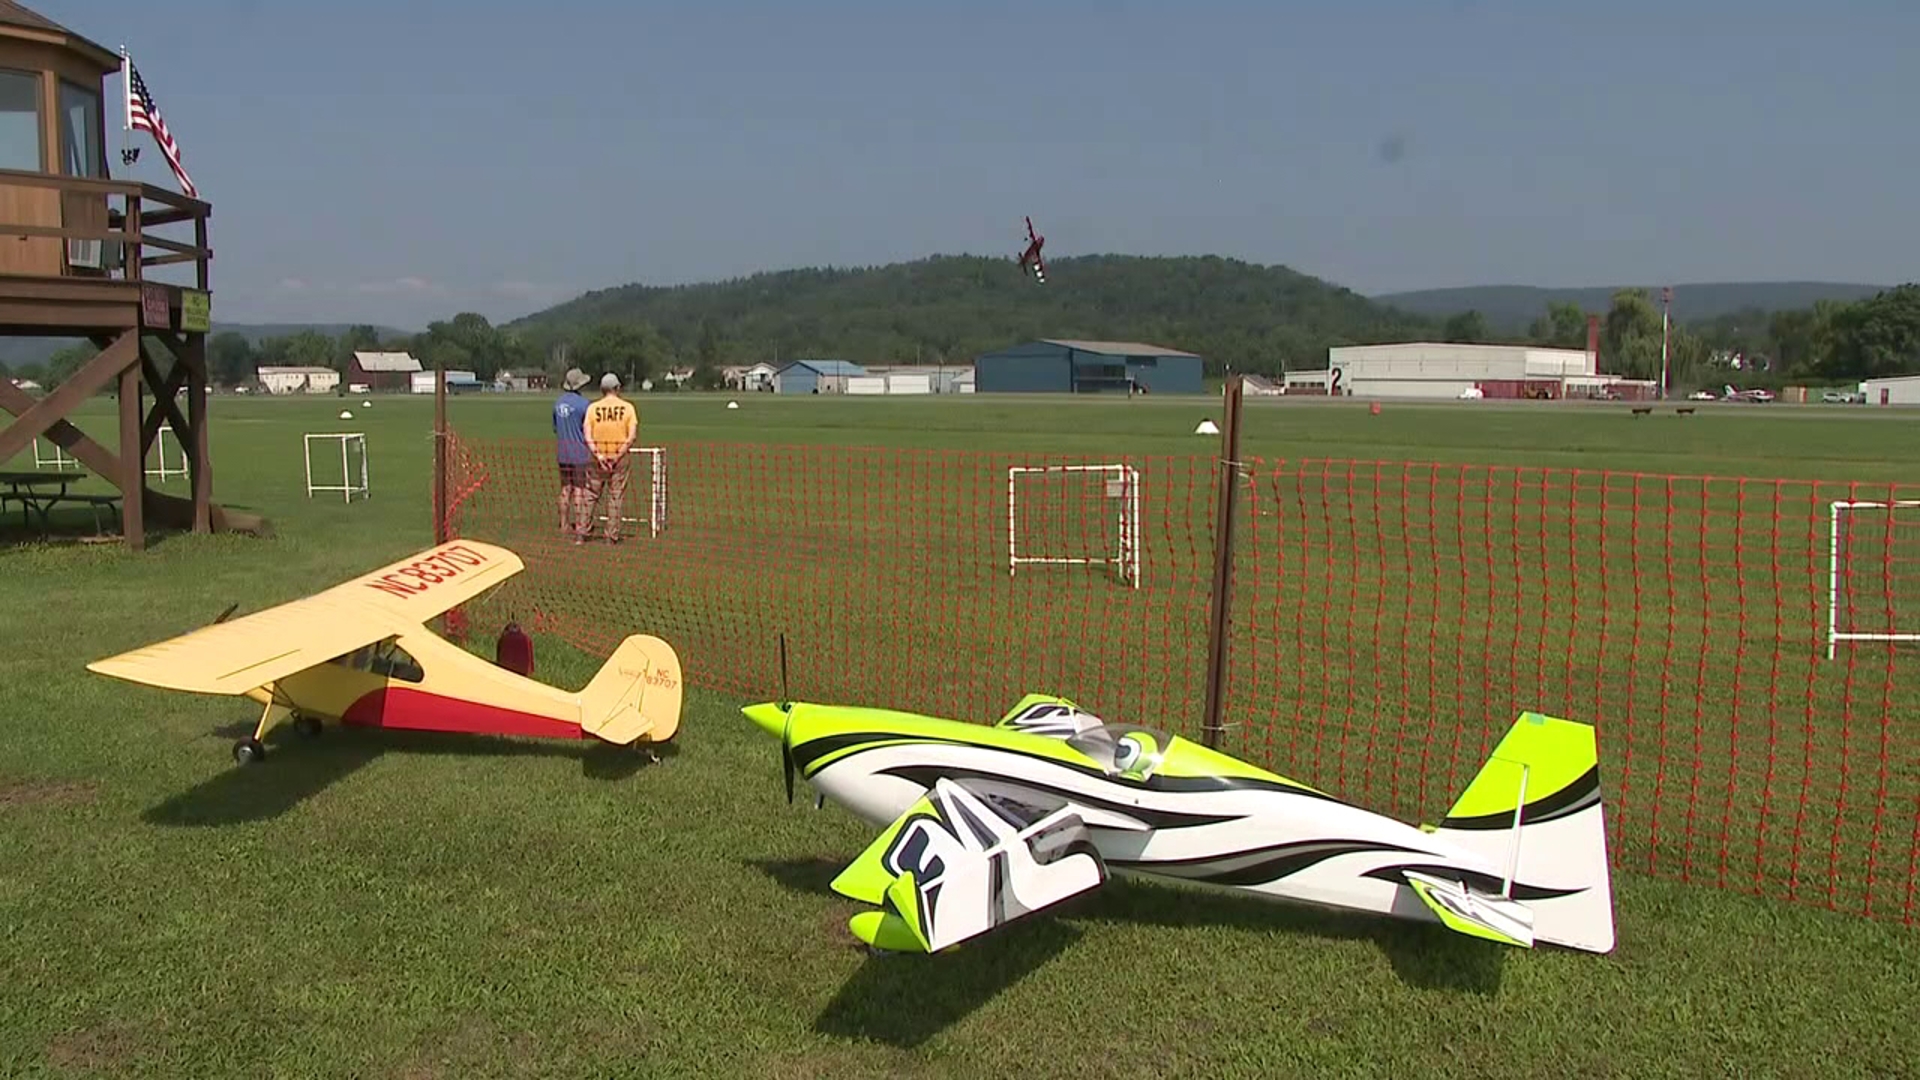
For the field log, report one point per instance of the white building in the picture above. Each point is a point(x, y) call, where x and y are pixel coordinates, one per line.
point(1306, 382)
point(421, 382)
point(1898, 390)
point(759, 377)
point(912, 379)
point(298, 380)
point(1440, 370)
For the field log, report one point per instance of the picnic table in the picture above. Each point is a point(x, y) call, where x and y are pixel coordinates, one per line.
point(30, 490)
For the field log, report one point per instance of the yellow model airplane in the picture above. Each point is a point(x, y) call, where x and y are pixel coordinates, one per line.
point(361, 654)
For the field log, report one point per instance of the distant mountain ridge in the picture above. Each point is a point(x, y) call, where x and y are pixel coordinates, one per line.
point(955, 307)
point(1512, 307)
point(1250, 315)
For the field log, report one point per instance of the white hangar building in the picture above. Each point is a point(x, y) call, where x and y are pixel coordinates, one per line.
point(1424, 369)
point(1897, 390)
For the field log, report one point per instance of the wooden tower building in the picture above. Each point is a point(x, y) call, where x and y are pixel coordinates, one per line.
point(76, 248)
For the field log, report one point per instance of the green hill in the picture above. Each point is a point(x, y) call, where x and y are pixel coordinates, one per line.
point(1511, 308)
point(954, 307)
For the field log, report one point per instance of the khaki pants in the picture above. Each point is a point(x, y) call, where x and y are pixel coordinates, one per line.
point(606, 489)
point(576, 500)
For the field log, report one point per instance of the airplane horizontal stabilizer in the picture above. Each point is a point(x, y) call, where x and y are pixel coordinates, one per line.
point(1473, 913)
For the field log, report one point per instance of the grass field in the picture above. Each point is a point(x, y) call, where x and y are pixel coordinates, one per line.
point(417, 907)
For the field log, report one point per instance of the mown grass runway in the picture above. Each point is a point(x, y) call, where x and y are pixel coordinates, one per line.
point(380, 906)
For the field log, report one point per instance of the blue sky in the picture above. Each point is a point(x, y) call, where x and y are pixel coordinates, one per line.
point(398, 162)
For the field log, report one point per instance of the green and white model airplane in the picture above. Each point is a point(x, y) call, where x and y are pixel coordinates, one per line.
point(986, 824)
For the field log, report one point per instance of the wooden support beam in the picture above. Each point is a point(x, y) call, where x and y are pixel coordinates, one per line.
point(133, 479)
point(164, 410)
point(118, 358)
point(63, 434)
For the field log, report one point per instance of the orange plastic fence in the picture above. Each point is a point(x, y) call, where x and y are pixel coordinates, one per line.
point(1389, 620)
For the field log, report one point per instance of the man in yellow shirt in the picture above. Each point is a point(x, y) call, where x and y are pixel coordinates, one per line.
point(612, 425)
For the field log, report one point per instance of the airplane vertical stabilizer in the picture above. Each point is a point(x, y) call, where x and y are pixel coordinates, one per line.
point(1545, 777)
point(636, 693)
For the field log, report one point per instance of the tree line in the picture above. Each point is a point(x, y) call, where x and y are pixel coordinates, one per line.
point(1831, 342)
point(466, 342)
point(948, 309)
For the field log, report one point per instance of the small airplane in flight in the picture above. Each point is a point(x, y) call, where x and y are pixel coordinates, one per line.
point(361, 654)
point(984, 825)
point(1757, 396)
point(1030, 258)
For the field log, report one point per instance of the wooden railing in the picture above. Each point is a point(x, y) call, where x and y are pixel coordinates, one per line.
point(118, 213)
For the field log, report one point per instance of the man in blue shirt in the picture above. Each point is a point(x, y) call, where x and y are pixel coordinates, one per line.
point(570, 445)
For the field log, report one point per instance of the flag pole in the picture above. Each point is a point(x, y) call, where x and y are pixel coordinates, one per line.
point(126, 112)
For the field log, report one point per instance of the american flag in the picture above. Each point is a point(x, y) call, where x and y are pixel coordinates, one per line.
point(143, 115)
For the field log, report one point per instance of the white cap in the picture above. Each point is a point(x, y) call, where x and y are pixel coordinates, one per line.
point(609, 381)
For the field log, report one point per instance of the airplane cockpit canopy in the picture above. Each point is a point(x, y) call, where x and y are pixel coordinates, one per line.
point(1129, 751)
point(1125, 750)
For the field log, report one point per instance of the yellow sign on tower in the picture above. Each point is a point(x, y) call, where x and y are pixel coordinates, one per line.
point(196, 311)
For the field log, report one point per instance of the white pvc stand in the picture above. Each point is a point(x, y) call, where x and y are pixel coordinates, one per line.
point(160, 450)
point(347, 486)
point(59, 459)
point(1836, 511)
point(1121, 487)
point(657, 493)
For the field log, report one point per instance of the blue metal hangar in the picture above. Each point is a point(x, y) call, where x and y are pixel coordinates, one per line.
point(1063, 366)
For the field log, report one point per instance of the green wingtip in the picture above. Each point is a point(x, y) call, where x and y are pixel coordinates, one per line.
point(885, 930)
point(863, 880)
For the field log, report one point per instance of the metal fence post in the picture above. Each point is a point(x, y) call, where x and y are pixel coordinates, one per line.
point(1228, 465)
point(453, 623)
point(440, 529)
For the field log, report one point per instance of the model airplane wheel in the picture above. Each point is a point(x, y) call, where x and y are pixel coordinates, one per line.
point(307, 727)
point(248, 752)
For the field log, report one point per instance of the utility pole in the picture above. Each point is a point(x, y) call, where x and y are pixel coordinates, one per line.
point(1219, 623)
point(1666, 308)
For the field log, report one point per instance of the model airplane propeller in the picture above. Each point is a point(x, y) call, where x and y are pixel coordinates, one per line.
point(361, 654)
point(786, 742)
point(1030, 259)
point(984, 825)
